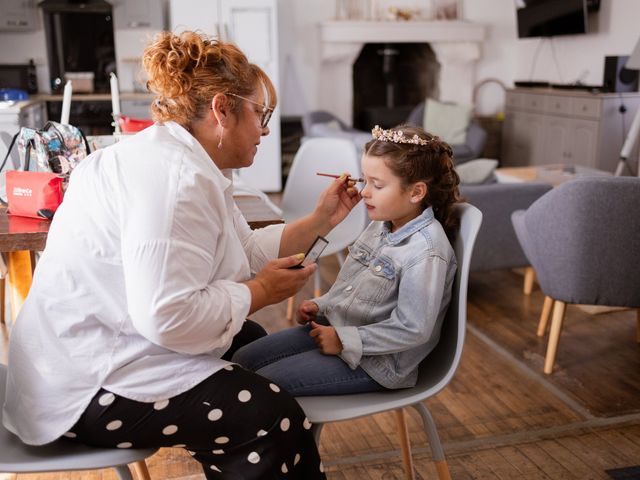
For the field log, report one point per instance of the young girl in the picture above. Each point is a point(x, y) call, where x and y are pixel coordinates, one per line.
point(383, 314)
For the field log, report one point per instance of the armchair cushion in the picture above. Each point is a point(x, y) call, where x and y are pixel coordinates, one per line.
point(446, 120)
point(477, 171)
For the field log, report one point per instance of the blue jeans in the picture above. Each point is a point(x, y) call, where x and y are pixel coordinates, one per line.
point(291, 359)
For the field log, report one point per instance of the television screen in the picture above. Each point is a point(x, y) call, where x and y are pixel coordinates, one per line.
point(548, 18)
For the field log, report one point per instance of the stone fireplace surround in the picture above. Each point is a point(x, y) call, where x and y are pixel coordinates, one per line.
point(455, 42)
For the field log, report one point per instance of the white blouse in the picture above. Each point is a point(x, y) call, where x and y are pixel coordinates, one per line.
point(137, 289)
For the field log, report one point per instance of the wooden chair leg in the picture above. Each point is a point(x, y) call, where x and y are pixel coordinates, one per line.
point(290, 309)
point(554, 336)
point(544, 316)
point(2, 300)
point(405, 445)
point(529, 278)
point(140, 468)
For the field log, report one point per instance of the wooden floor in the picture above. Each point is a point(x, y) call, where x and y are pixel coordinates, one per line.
point(500, 418)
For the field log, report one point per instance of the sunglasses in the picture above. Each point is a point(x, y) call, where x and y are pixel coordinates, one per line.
point(265, 114)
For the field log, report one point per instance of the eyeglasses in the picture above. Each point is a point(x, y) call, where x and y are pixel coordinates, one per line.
point(265, 114)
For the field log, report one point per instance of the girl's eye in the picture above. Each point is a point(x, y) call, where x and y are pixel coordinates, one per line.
point(377, 187)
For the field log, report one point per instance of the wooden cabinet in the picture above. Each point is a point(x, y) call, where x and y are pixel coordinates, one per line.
point(252, 26)
point(545, 126)
point(138, 14)
point(19, 15)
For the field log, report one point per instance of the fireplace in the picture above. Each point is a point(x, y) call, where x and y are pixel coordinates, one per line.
point(455, 44)
point(389, 79)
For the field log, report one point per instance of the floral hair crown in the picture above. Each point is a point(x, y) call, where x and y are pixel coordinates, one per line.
point(396, 136)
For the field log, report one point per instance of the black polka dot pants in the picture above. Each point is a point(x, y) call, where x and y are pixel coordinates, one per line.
point(237, 424)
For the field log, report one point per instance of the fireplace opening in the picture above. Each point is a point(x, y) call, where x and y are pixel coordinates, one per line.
point(389, 80)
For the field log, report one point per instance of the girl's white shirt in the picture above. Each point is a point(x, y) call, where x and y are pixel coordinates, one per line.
point(138, 288)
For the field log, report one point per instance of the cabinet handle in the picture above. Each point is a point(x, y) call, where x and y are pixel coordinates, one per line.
point(584, 108)
point(139, 24)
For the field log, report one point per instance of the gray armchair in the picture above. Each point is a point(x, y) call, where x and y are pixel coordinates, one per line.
point(463, 152)
point(582, 239)
point(497, 246)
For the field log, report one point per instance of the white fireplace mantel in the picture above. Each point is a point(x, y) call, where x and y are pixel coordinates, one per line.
point(456, 44)
point(344, 31)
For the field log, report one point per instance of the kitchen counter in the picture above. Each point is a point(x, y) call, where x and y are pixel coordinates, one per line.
point(92, 97)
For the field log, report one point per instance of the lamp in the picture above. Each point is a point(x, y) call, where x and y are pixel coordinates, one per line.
point(632, 64)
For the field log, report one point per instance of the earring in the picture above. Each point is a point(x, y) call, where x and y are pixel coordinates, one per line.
point(220, 141)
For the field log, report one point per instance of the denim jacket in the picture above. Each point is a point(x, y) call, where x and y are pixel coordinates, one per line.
point(390, 298)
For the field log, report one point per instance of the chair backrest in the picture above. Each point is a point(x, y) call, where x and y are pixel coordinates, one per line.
point(437, 370)
point(582, 240)
point(319, 116)
point(303, 187)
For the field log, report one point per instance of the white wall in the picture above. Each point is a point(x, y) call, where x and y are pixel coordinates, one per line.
point(504, 57)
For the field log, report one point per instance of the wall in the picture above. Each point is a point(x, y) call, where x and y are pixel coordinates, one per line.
point(504, 57)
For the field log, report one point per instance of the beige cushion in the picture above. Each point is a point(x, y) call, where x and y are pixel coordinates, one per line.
point(476, 171)
point(447, 120)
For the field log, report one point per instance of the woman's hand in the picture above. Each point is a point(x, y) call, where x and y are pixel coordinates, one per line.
point(326, 338)
point(277, 282)
point(335, 203)
point(307, 311)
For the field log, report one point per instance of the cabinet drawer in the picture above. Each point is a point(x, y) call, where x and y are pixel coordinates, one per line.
point(514, 100)
point(585, 107)
point(557, 105)
point(533, 102)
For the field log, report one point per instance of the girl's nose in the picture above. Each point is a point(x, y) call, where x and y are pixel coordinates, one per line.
point(265, 131)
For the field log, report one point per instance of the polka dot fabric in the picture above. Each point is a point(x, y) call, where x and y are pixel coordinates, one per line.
point(237, 424)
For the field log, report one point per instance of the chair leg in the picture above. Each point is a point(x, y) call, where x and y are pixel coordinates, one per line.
point(529, 278)
point(2, 300)
point(290, 303)
point(405, 444)
point(554, 336)
point(544, 316)
point(123, 472)
point(142, 472)
point(434, 441)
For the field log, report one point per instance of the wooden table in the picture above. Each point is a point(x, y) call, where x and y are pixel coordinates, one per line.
point(22, 233)
point(551, 174)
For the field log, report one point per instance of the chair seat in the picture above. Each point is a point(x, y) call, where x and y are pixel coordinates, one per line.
point(16, 457)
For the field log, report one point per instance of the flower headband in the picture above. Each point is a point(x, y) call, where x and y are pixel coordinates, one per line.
point(396, 136)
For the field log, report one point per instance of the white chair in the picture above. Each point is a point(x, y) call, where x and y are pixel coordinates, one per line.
point(436, 370)
point(303, 187)
point(16, 457)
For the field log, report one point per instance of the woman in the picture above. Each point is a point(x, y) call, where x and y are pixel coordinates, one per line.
point(147, 278)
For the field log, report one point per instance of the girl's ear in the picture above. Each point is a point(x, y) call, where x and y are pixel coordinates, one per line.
point(418, 192)
point(220, 108)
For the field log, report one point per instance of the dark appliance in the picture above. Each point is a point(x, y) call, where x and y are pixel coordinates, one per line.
point(20, 76)
point(549, 18)
point(79, 38)
point(617, 78)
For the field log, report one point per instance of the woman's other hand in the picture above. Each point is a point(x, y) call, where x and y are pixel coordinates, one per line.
point(326, 338)
point(307, 311)
point(335, 203)
point(277, 282)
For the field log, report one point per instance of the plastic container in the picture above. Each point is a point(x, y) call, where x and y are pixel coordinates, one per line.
point(132, 125)
point(82, 82)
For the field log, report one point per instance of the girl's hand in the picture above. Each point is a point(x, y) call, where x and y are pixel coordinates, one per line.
point(307, 311)
point(335, 203)
point(326, 338)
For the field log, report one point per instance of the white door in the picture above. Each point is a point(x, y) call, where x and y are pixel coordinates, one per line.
point(252, 25)
point(202, 15)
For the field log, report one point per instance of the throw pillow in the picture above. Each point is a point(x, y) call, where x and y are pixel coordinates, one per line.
point(476, 171)
point(447, 120)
